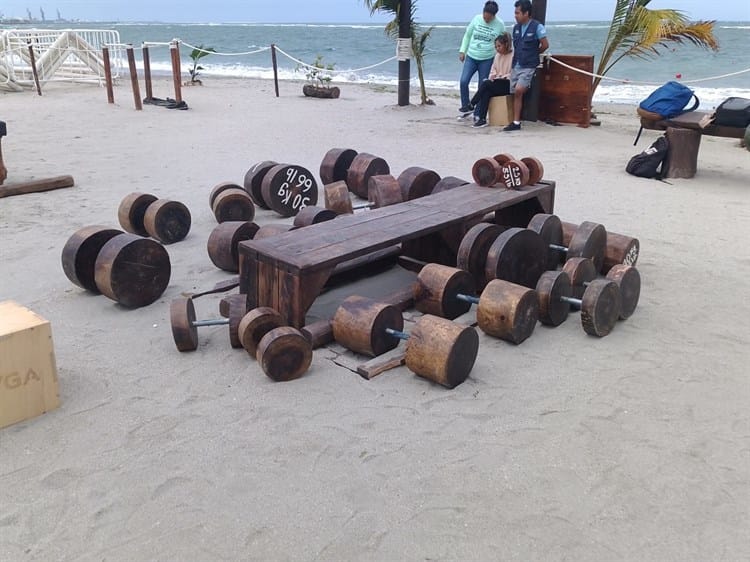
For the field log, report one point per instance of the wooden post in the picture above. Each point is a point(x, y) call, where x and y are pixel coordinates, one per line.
point(174, 50)
point(3, 170)
point(33, 69)
point(404, 34)
point(134, 78)
point(147, 73)
point(539, 11)
point(275, 69)
point(108, 75)
point(682, 157)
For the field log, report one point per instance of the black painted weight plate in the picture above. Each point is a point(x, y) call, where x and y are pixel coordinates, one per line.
point(289, 188)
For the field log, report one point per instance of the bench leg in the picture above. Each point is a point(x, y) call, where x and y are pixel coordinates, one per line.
point(682, 158)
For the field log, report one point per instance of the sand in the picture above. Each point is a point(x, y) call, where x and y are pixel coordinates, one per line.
point(631, 447)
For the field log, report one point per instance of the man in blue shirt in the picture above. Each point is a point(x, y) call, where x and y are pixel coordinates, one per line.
point(529, 41)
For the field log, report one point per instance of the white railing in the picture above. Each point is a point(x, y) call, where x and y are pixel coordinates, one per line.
point(71, 55)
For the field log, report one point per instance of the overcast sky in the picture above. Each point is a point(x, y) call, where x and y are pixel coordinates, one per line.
point(318, 11)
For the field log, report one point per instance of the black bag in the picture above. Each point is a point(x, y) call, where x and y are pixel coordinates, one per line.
point(733, 112)
point(646, 164)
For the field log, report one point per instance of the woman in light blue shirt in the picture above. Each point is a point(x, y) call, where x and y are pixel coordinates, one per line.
point(478, 50)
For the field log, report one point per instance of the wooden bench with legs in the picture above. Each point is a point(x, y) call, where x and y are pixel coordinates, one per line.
point(684, 134)
point(287, 272)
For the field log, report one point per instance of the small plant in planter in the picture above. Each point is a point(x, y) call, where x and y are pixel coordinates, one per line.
point(197, 54)
point(319, 80)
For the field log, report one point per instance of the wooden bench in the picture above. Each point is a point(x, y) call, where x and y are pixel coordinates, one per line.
point(287, 272)
point(684, 135)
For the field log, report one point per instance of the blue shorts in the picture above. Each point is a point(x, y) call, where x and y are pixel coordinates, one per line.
point(522, 77)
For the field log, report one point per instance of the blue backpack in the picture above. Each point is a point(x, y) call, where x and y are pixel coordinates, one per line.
point(670, 100)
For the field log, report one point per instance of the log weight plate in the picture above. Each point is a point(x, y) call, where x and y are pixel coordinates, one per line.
point(486, 172)
point(629, 281)
point(620, 248)
point(223, 243)
point(436, 289)
point(219, 188)
point(552, 286)
point(384, 190)
point(508, 311)
point(589, 241)
point(536, 170)
point(229, 303)
point(254, 179)
point(233, 204)
point(600, 307)
point(131, 211)
point(472, 253)
point(167, 221)
point(580, 271)
point(284, 354)
point(313, 214)
point(518, 255)
point(289, 188)
point(360, 325)
point(514, 174)
point(336, 198)
point(549, 227)
point(132, 271)
point(181, 317)
point(416, 182)
point(441, 351)
point(256, 324)
point(448, 182)
point(503, 158)
point(335, 164)
point(80, 252)
point(362, 168)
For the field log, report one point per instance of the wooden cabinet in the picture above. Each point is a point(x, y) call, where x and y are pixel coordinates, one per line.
point(565, 95)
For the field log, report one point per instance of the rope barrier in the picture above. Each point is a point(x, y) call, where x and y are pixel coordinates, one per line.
point(189, 46)
point(627, 81)
point(305, 65)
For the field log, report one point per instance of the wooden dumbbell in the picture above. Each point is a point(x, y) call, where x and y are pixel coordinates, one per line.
point(223, 243)
point(582, 272)
point(335, 164)
point(505, 310)
point(283, 352)
point(588, 241)
point(312, 214)
point(447, 183)
point(129, 269)
point(185, 326)
point(437, 349)
point(288, 188)
point(254, 180)
point(383, 190)
point(620, 248)
point(600, 306)
point(165, 220)
point(501, 169)
point(230, 202)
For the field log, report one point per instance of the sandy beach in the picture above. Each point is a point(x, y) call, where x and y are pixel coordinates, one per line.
point(631, 447)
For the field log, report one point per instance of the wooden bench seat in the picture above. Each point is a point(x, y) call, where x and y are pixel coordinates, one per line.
point(684, 134)
point(287, 272)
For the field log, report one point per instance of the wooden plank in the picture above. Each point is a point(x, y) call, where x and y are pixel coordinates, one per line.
point(36, 186)
point(379, 365)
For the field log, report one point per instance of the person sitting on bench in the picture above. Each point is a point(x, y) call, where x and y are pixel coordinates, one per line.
point(529, 41)
point(498, 83)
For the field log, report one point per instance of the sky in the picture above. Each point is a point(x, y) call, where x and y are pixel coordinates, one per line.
point(339, 11)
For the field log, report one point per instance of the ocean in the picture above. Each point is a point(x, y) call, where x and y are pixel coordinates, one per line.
point(352, 47)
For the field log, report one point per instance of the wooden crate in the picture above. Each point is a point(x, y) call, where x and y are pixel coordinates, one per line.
point(565, 95)
point(28, 373)
point(500, 111)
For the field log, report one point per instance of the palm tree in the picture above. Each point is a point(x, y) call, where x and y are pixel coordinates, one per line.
point(636, 31)
point(418, 36)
